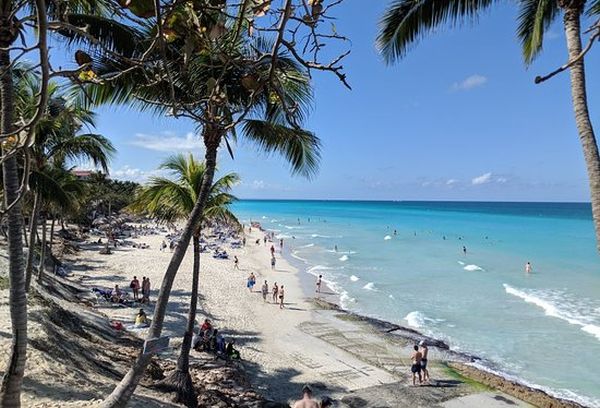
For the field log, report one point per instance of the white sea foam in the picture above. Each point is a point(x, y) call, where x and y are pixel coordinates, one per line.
point(344, 258)
point(472, 267)
point(307, 246)
point(387, 237)
point(419, 319)
point(354, 278)
point(324, 236)
point(461, 263)
point(313, 270)
point(264, 217)
point(391, 296)
point(370, 286)
point(283, 236)
point(295, 255)
point(345, 299)
point(545, 301)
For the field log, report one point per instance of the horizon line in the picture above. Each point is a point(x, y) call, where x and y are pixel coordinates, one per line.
point(413, 201)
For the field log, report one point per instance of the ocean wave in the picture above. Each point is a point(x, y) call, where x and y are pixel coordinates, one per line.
point(370, 286)
point(313, 270)
point(344, 258)
point(545, 300)
point(354, 278)
point(294, 254)
point(461, 263)
point(307, 246)
point(264, 217)
point(473, 267)
point(324, 236)
point(391, 296)
point(283, 236)
point(345, 299)
point(419, 319)
point(387, 237)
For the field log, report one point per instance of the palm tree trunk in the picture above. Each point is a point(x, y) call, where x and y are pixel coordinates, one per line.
point(52, 232)
point(43, 250)
point(25, 237)
point(10, 390)
point(122, 393)
point(179, 380)
point(572, 22)
point(35, 213)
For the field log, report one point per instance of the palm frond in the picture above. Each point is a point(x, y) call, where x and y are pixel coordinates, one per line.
point(406, 21)
point(535, 16)
point(300, 148)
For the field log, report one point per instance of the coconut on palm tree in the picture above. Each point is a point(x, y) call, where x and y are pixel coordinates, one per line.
point(407, 21)
point(171, 200)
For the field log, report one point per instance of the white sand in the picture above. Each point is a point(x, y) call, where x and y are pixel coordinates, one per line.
point(282, 356)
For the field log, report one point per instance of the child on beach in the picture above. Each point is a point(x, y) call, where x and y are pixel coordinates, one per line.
point(281, 295)
point(265, 291)
point(275, 292)
point(236, 262)
point(319, 283)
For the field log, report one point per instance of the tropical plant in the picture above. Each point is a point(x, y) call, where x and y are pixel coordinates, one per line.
point(58, 139)
point(407, 21)
point(170, 201)
point(225, 84)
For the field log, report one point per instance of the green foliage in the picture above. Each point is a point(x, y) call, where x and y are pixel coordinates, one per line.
point(172, 199)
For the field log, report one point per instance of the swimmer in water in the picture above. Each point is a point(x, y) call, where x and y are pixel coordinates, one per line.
point(335, 248)
point(528, 267)
point(464, 250)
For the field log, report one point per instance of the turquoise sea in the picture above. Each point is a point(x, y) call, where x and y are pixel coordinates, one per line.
point(542, 328)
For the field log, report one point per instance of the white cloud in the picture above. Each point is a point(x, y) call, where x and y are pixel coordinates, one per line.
point(468, 83)
point(259, 185)
point(451, 182)
point(168, 142)
point(483, 179)
point(128, 173)
point(501, 180)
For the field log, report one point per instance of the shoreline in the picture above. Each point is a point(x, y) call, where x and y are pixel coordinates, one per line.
point(477, 368)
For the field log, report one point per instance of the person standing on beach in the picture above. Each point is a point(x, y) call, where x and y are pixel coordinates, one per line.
point(281, 296)
point(307, 400)
point(272, 250)
point(265, 290)
point(146, 291)
point(319, 283)
point(528, 268)
point(281, 244)
point(236, 262)
point(135, 286)
point(273, 262)
point(424, 352)
point(265, 240)
point(415, 368)
point(275, 292)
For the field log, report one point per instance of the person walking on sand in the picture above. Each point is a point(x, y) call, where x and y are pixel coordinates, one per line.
point(281, 296)
point(319, 281)
point(424, 352)
point(275, 292)
point(415, 368)
point(236, 262)
point(528, 267)
point(273, 260)
point(272, 250)
point(251, 281)
point(307, 400)
point(265, 290)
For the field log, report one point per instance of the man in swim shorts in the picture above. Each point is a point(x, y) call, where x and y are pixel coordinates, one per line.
point(307, 400)
point(415, 368)
point(424, 352)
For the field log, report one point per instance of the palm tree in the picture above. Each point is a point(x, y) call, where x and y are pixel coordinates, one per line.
point(406, 21)
point(58, 139)
point(229, 87)
point(170, 201)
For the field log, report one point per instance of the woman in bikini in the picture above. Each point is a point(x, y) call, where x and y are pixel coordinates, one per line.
point(275, 292)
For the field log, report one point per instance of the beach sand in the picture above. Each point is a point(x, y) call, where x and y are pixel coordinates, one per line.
point(339, 354)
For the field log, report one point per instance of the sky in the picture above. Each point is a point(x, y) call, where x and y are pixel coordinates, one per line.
point(459, 118)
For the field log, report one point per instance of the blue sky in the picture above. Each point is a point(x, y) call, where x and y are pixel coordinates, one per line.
point(459, 119)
